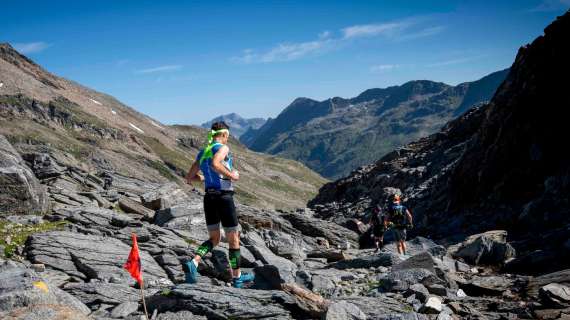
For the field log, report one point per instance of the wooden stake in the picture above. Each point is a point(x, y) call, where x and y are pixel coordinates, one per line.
point(144, 303)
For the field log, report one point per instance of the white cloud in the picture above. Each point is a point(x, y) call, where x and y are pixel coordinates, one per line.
point(325, 34)
point(383, 68)
point(372, 30)
point(285, 51)
point(31, 47)
point(405, 29)
point(551, 5)
point(166, 68)
point(427, 32)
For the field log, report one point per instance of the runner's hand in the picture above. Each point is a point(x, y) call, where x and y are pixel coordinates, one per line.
point(234, 175)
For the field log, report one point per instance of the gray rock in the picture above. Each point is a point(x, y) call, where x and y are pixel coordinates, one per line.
point(384, 308)
point(419, 245)
point(105, 293)
point(334, 233)
point(433, 305)
point(419, 261)
point(42, 165)
point(420, 292)
point(403, 279)
point(89, 257)
point(555, 295)
point(225, 302)
point(383, 259)
point(486, 286)
point(131, 206)
point(189, 213)
point(23, 288)
point(283, 268)
point(437, 289)
point(343, 310)
point(284, 245)
point(25, 219)
point(20, 190)
point(165, 196)
point(124, 309)
point(486, 248)
point(43, 312)
point(180, 315)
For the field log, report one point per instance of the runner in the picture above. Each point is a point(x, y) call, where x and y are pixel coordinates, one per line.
point(215, 162)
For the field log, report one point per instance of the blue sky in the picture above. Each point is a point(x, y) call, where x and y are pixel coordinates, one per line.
point(188, 61)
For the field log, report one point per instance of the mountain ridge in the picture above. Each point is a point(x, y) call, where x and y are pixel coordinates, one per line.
point(326, 135)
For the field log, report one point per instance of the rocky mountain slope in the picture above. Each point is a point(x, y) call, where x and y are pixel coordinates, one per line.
point(68, 262)
point(335, 136)
point(238, 124)
point(77, 126)
point(67, 234)
point(501, 165)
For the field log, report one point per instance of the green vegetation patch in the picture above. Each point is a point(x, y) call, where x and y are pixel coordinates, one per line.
point(162, 169)
point(176, 158)
point(13, 235)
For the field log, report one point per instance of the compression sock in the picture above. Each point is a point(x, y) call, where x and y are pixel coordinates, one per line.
point(204, 248)
point(235, 258)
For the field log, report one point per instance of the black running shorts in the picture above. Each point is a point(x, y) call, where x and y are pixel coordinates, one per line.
point(219, 208)
point(378, 231)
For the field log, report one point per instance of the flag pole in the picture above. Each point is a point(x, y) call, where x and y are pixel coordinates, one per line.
point(143, 301)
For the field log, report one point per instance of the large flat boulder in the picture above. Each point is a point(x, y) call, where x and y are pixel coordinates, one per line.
point(90, 257)
point(22, 291)
point(490, 248)
point(165, 196)
point(334, 233)
point(382, 259)
point(20, 190)
point(225, 302)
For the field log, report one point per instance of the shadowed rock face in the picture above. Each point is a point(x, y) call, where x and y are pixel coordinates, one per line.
point(20, 190)
point(500, 166)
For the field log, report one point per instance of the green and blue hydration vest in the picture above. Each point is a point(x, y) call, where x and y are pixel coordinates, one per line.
point(212, 179)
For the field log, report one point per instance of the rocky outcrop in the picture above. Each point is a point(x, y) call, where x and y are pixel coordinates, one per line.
point(489, 248)
point(225, 303)
point(20, 190)
point(89, 257)
point(24, 293)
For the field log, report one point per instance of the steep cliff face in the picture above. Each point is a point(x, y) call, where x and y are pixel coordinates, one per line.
point(503, 165)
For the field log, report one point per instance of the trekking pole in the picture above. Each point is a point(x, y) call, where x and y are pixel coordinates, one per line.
point(143, 301)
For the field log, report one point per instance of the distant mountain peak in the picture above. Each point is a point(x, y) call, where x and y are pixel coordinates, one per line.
point(326, 135)
point(238, 124)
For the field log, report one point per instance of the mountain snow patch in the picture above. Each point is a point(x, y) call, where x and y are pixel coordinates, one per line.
point(136, 128)
point(1, 84)
point(155, 124)
point(113, 111)
point(96, 102)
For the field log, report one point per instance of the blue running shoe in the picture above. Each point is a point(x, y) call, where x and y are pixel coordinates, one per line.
point(244, 278)
point(190, 271)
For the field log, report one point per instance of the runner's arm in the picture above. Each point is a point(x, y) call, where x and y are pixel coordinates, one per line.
point(193, 174)
point(219, 167)
point(410, 218)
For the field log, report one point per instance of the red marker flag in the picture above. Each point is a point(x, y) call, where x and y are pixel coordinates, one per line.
point(133, 265)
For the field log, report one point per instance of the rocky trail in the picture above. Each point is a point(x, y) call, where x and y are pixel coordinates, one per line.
point(67, 263)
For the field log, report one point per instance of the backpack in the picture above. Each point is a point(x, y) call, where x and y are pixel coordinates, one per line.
point(398, 214)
